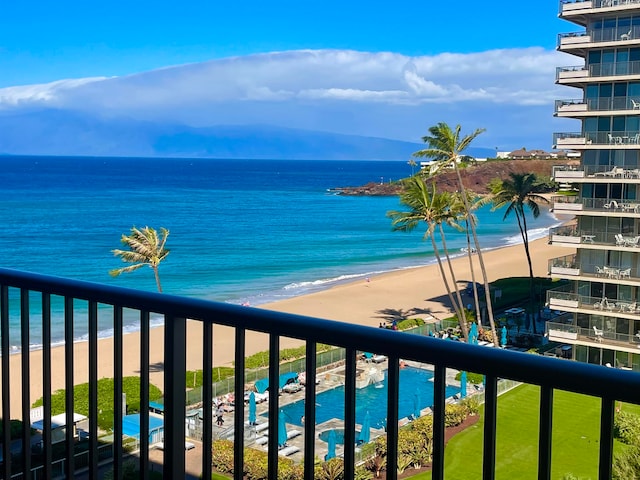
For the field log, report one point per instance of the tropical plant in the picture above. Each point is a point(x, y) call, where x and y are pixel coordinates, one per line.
point(146, 247)
point(474, 202)
point(445, 147)
point(425, 205)
point(516, 192)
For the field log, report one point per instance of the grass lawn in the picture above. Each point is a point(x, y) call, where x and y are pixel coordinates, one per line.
point(576, 424)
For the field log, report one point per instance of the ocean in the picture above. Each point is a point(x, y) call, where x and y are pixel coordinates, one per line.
point(241, 231)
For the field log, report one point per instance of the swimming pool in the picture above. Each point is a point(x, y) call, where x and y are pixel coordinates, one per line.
point(372, 399)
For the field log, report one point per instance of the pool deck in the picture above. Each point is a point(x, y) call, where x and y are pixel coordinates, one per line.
point(327, 380)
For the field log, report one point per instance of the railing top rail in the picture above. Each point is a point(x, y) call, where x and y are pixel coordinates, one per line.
point(534, 369)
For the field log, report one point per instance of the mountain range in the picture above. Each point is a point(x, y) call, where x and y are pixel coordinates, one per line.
point(64, 132)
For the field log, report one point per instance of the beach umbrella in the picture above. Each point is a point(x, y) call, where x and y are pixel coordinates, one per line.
point(252, 408)
point(473, 334)
point(416, 404)
point(331, 445)
point(463, 384)
point(282, 430)
point(365, 433)
point(503, 340)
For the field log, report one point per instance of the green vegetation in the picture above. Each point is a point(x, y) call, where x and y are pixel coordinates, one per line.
point(194, 377)
point(576, 436)
point(145, 249)
point(15, 426)
point(261, 359)
point(130, 386)
point(515, 193)
point(445, 147)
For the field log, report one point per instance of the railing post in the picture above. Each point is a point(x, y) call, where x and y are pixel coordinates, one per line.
point(175, 365)
point(349, 411)
point(238, 457)
point(26, 390)
point(490, 420)
point(439, 386)
point(6, 379)
point(544, 438)
point(274, 373)
point(606, 438)
point(69, 383)
point(310, 410)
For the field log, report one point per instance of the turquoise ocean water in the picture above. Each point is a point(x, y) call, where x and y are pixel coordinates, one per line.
point(242, 231)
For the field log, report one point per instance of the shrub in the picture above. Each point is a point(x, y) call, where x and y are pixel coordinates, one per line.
point(626, 427)
point(130, 386)
point(222, 456)
point(331, 470)
point(261, 359)
point(454, 415)
point(15, 426)
point(410, 323)
point(471, 405)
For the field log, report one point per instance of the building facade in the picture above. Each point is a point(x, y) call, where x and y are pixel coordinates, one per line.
point(600, 295)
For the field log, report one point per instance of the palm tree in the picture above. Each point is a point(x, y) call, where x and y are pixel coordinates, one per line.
point(145, 248)
point(446, 147)
point(425, 206)
point(516, 192)
point(458, 207)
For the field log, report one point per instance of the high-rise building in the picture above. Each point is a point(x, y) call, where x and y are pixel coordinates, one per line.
point(600, 297)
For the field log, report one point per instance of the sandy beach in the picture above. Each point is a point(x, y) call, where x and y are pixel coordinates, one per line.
point(360, 302)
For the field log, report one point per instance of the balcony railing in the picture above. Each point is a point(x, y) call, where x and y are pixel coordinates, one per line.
point(571, 234)
point(579, 105)
point(29, 297)
point(564, 297)
point(574, 203)
point(568, 266)
point(595, 70)
point(577, 6)
point(619, 34)
point(567, 332)
point(613, 138)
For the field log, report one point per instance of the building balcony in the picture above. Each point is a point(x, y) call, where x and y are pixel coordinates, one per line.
point(596, 206)
point(577, 10)
point(569, 268)
point(620, 140)
point(566, 300)
point(595, 174)
point(37, 301)
point(572, 334)
point(580, 75)
point(570, 236)
point(577, 43)
point(579, 108)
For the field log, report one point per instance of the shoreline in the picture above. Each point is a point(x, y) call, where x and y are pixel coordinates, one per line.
point(314, 287)
point(363, 302)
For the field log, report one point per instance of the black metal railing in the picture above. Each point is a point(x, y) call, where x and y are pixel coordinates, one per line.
point(81, 301)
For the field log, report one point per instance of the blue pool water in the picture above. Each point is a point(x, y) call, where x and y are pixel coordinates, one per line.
point(330, 403)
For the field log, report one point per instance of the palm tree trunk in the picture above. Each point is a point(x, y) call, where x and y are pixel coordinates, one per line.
point(487, 293)
point(157, 275)
point(444, 279)
point(463, 326)
point(525, 240)
point(473, 275)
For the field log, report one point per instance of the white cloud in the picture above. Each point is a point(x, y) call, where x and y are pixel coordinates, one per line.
point(334, 90)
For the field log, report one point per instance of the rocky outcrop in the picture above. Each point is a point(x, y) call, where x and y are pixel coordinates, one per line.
point(475, 177)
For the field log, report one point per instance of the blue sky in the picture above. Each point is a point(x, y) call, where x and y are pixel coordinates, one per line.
point(43, 41)
point(376, 68)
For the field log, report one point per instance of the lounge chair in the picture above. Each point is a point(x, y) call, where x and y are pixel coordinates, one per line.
point(286, 451)
point(262, 440)
point(619, 240)
point(598, 333)
point(626, 273)
point(378, 358)
point(261, 427)
point(293, 434)
point(612, 205)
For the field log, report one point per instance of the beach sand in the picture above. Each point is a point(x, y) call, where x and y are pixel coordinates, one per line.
point(365, 302)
